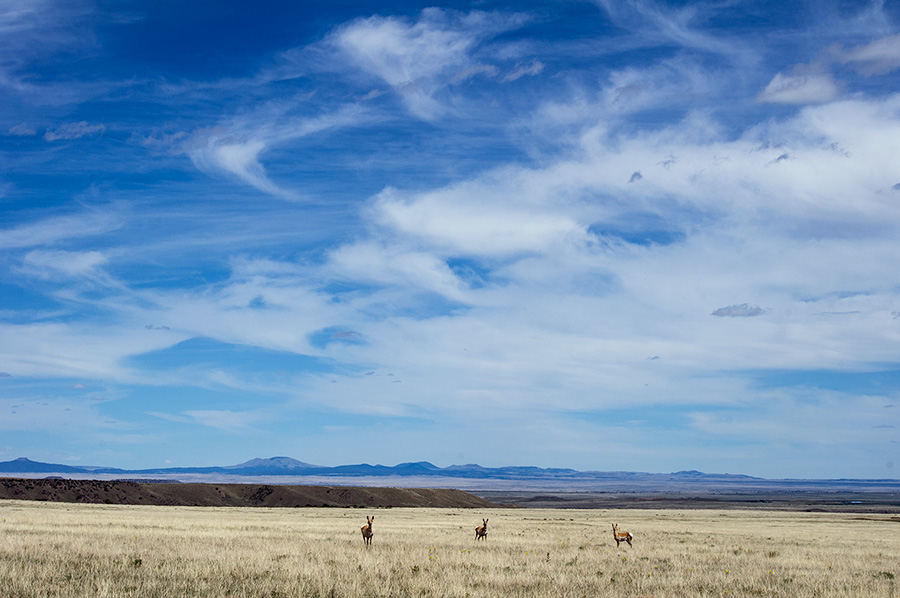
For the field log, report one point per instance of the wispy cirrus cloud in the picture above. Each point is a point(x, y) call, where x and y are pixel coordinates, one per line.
point(487, 70)
point(878, 57)
point(531, 69)
point(236, 146)
point(231, 422)
point(228, 421)
point(56, 229)
point(33, 34)
point(33, 29)
point(22, 130)
point(220, 150)
point(66, 264)
point(72, 131)
point(652, 23)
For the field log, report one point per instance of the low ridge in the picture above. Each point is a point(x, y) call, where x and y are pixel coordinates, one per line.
point(231, 495)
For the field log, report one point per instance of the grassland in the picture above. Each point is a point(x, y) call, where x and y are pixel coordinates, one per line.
point(55, 549)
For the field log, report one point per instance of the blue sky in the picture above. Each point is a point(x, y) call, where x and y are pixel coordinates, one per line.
point(608, 235)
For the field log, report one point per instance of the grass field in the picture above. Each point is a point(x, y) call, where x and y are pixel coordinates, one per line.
point(56, 549)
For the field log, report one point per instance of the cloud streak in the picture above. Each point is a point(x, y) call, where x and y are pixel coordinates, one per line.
point(57, 229)
point(235, 148)
point(70, 131)
point(878, 57)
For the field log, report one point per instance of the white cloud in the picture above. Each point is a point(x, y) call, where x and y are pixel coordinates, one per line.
point(784, 232)
point(558, 310)
point(800, 88)
point(400, 52)
point(77, 350)
point(420, 58)
point(494, 216)
point(677, 84)
point(875, 58)
point(394, 266)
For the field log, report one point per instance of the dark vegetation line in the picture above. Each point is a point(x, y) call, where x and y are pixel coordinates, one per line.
point(232, 495)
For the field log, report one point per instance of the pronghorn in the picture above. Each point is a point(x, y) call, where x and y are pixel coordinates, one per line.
point(621, 536)
point(367, 530)
point(481, 531)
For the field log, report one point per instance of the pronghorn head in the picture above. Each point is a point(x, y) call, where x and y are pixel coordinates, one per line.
point(485, 523)
point(370, 520)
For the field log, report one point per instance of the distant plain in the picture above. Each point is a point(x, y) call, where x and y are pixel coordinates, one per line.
point(77, 550)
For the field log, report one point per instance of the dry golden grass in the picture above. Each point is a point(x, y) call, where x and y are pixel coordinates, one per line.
point(91, 550)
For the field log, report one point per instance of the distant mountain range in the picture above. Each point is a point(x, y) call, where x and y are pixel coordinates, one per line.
point(285, 470)
point(287, 466)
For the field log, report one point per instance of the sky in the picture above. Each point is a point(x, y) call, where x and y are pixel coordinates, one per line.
point(605, 235)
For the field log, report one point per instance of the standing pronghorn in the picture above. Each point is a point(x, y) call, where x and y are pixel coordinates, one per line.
point(481, 531)
point(621, 536)
point(367, 532)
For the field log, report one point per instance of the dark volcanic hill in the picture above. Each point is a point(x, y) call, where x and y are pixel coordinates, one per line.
point(231, 495)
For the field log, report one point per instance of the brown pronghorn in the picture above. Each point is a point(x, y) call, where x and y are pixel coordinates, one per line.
point(481, 531)
point(367, 530)
point(621, 536)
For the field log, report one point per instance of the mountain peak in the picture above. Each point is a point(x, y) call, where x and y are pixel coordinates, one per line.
point(273, 463)
point(419, 465)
